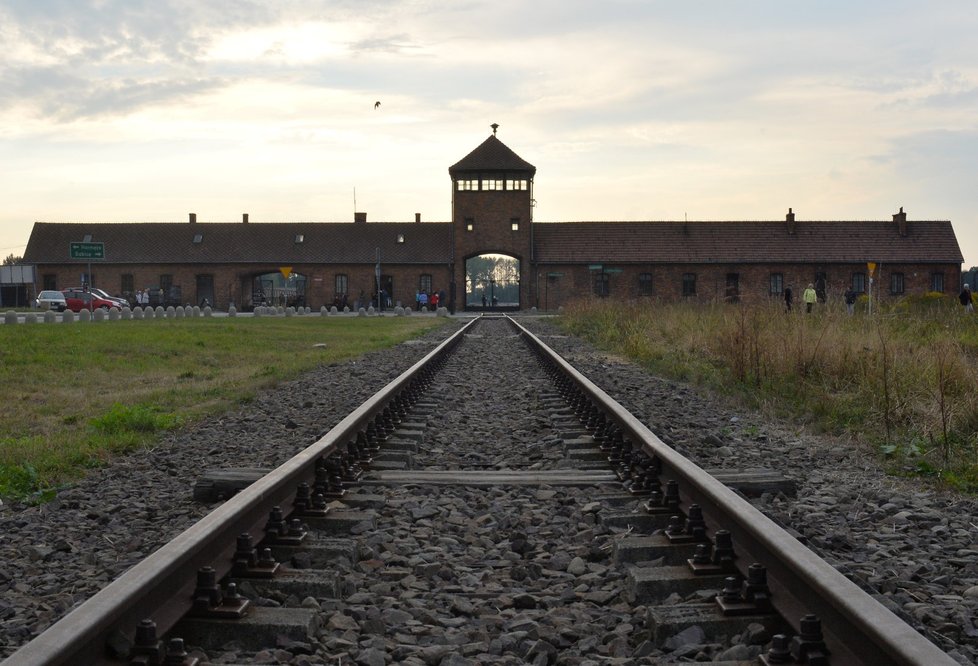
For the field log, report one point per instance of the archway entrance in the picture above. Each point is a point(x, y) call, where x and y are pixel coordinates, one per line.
point(278, 289)
point(492, 282)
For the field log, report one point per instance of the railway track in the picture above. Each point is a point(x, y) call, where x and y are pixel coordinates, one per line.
point(426, 528)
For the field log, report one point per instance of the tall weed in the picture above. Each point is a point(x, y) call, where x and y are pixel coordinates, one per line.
point(903, 379)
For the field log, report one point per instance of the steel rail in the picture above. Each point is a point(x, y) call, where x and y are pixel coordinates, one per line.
point(161, 586)
point(856, 628)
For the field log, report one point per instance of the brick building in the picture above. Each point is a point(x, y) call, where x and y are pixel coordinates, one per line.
point(492, 249)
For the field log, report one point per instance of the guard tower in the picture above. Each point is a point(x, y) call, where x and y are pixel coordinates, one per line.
point(492, 213)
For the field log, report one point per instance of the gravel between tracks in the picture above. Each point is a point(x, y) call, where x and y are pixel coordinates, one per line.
point(913, 545)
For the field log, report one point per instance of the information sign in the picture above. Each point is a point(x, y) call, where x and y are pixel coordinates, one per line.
point(87, 250)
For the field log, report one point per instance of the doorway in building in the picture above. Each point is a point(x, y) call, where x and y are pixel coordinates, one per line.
point(205, 290)
point(492, 281)
point(279, 289)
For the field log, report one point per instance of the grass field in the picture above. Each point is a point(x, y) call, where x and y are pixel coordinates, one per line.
point(903, 383)
point(73, 396)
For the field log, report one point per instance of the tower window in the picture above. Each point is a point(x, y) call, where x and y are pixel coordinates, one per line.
point(492, 184)
point(514, 224)
point(516, 184)
point(400, 238)
point(198, 238)
point(299, 238)
point(468, 184)
point(469, 223)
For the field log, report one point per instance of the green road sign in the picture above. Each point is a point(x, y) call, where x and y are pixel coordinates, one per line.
point(612, 270)
point(87, 250)
point(595, 267)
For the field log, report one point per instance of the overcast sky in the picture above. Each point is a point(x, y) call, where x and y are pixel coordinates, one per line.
point(145, 111)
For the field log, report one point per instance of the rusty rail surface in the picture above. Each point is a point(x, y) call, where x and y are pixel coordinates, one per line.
point(161, 586)
point(856, 628)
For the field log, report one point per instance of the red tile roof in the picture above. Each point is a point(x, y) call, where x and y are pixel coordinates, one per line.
point(254, 242)
point(744, 242)
point(491, 155)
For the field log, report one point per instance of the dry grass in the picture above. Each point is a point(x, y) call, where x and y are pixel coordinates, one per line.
point(903, 380)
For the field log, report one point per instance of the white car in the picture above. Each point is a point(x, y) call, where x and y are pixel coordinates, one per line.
point(51, 300)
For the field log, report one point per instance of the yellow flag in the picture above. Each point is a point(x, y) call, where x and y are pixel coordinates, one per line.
point(286, 271)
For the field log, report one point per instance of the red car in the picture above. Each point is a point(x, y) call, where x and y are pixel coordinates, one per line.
point(78, 300)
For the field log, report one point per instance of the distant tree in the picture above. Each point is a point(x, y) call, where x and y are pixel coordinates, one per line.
point(11, 260)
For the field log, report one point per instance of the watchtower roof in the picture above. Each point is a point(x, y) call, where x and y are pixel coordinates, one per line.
point(491, 155)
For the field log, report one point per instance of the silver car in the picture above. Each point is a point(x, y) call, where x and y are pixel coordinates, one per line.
point(51, 300)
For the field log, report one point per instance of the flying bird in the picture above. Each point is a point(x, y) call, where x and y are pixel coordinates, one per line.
point(376, 105)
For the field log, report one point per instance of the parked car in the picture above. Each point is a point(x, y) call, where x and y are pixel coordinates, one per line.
point(78, 299)
point(121, 302)
point(51, 300)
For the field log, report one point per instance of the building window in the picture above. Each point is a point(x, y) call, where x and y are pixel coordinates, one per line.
point(859, 283)
point(644, 284)
point(400, 238)
point(896, 283)
point(514, 224)
point(492, 184)
point(516, 184)
point(87, 238)
point(424, 283)
point(469, 223)
point(472, 184)
point(775, 285)
point(198, 238)
point(299, 238)
point(689, 284)
point(340, 284)
point(937, 282)
point(50, 281)
point(601, 285)
point(128, 285)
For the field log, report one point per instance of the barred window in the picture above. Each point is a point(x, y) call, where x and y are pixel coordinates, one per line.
point(859, 282)
point(689, 284)
point(601, 284)
point(896, 283)
point(776, 284)
point(340, 284)
point(424, 284)
point(937, 282)
point(644, 284)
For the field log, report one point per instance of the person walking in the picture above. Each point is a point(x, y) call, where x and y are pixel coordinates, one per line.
point(788, 297)
point(850, 298)
point(966, 299)
point(810, 297)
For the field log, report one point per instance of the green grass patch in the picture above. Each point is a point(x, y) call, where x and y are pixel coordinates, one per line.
point(75, 395)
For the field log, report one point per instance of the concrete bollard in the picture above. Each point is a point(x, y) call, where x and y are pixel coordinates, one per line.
point(50, 317)
point(68, 316)
point(232, 311)
point(160, 312)
point(30, 318)
point(137, 313)
point(85, 315)
point(208, 312)
point(10, 317)
point(126, 313)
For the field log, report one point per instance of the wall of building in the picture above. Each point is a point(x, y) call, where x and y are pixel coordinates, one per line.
point(558, 284)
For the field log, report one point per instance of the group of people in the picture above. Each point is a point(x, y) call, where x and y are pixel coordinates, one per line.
point(142, 297)
point(810, 296)
point(432, 301)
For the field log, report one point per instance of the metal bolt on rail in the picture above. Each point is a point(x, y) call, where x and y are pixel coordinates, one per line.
point(147, 649)
point(209, 601)
point(248, 563)
point(779, 652)
point(176, 654)
point(747, 597)
point(808, 646)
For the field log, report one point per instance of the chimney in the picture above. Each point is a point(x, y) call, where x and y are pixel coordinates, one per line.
point(193, 218)
point(244, 218)
point(901, 221)
point(360, 218)
point(417, 217)
point(790, 219)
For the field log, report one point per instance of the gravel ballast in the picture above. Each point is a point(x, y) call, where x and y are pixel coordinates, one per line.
point(909, 545)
